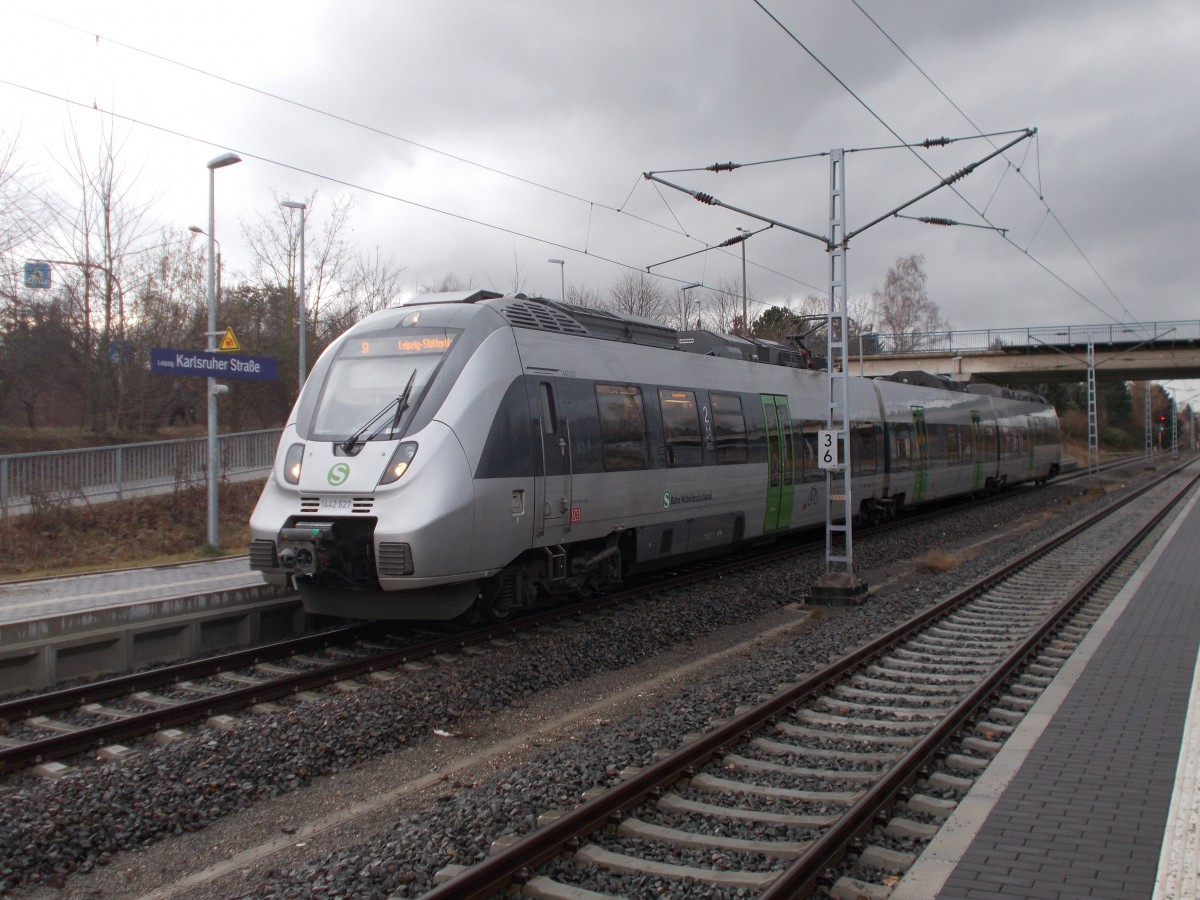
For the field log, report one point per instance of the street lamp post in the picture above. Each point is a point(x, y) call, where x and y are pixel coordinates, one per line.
point(562, 278)
point(296, 204)
point(196, 229)
point(745, 323)
point(225, 159)
point(687, 305)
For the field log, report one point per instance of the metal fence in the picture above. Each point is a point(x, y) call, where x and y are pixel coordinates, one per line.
point(112, 473)
point(1123, 333)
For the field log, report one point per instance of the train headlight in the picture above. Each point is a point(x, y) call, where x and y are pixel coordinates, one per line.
point(292, 462)
point(398, 464)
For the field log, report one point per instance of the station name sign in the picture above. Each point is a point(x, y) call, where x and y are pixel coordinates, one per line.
point(212, 364)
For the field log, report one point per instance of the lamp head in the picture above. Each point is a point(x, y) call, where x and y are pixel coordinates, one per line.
point(225, 159)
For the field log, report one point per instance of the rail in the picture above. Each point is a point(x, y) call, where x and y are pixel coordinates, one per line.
point(1120, 333)
point(117, 471)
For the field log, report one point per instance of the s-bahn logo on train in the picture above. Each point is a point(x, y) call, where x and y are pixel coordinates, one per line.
point(338, 474)
point(670, 499)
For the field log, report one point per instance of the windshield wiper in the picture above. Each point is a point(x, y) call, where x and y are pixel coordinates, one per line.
point(400, 403)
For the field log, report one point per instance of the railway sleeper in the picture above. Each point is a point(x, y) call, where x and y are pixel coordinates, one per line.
point(542, 887)
point(638, 829)
point(964, 661)
point(930, 700)
point(902, 713)
point(54, 726)
point(802, 732)
point(1006, 716)
point(747, 764)
point(947, 783)
point(933, 807)
point(108, 712)
point(900, 674)
point(713, 784)
point(818, 718)
point(990, 729)
point(857, 757)
point(910, 830)
point(676, 805)
point(1020, 705)
point(619, 862)
point(981, 745)
point(846, 888)
point(891, 685)
point(885, 860)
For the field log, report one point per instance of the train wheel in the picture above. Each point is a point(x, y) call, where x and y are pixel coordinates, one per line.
point(498, 598)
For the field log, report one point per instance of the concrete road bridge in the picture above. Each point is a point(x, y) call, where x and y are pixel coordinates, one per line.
point(1125, 351)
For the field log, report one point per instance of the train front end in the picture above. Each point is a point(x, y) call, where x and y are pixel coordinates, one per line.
point(371, 495)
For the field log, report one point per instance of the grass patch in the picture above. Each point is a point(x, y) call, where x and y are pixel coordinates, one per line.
point(64, 538)
point(43, 440)
point(941, 561)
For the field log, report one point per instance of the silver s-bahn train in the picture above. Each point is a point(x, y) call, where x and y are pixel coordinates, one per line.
point(477, 451)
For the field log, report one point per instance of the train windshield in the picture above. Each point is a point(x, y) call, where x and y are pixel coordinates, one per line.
point(372, 372)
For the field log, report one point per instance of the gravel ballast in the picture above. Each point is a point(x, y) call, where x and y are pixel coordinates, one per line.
point(169, 811)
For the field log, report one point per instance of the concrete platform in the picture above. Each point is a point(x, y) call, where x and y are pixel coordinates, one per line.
point(113, 622)
point(1096, 793)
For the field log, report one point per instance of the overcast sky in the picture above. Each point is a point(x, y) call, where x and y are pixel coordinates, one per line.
point(483, 137)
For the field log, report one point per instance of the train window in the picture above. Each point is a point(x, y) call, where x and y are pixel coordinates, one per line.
point(622, 426)
point(864, 452)
point(546, 409)
point(989, 444)
point(808, 434)
point(729, 422)
point(681, 427)
point(903, 448)
point(951, 444)
point(371, 373)
point(935, 444)
point(966, 444)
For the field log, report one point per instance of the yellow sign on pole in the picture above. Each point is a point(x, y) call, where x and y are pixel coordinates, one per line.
point(229, 343)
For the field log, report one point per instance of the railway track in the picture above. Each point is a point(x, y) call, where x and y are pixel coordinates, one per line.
point(834, 783)
point(104, 717)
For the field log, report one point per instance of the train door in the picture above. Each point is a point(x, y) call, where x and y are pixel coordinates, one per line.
point(554, 489)
point(1030, 445)
point(780, 462)
point(921, 477)
point(977, 476)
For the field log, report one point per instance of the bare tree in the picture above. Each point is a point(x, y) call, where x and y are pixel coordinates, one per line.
point(99, 237)
point(722, 305)
point(518, 279)
point(372, 283)
point(584, 296)
point(684, 309)
point(448, 282)
point(637, 294)
point(20, 206)
point(274, 244)
point(906, 313)
point(169, 308)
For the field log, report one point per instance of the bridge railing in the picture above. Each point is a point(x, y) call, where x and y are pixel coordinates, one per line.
point(1124, 333)
point(114, 472)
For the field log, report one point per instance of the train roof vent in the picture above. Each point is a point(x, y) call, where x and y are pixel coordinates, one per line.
point(523, 313)
point(631, 329)
point(451, 297)
point(925, 379)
